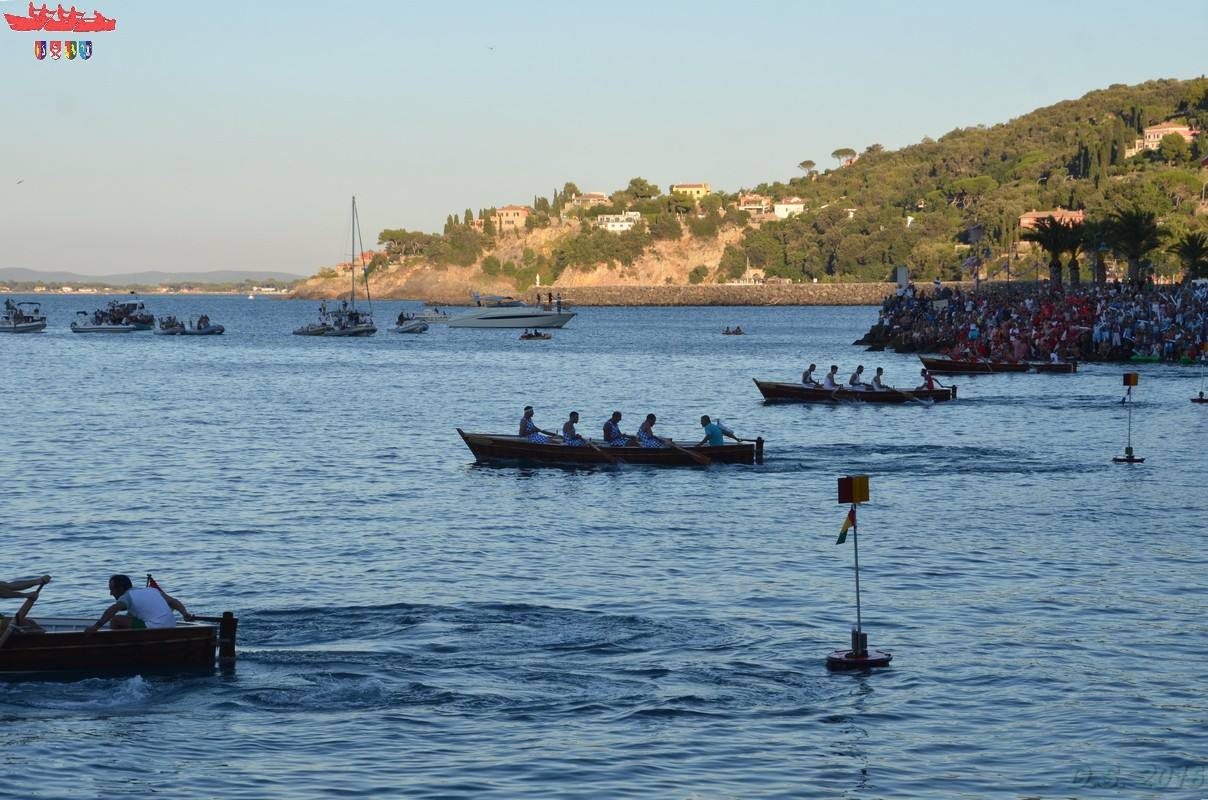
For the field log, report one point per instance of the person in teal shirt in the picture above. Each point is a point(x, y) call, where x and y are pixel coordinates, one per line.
point(715, 434)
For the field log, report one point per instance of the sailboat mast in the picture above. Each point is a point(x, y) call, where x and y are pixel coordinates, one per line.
point(352, 258)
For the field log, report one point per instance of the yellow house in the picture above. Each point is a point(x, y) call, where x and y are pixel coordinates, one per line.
point(694, 190)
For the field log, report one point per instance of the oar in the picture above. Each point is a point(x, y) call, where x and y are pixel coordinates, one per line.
point(927, 402)
point(699, 458)
point(607, 457)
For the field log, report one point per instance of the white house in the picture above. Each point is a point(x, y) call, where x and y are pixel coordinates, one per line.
point(788, 207)
point(618, 223)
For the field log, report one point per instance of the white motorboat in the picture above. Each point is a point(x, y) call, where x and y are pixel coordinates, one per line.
point(99, 323)
point(410, 326)
point(435, 315)
point(209, 329)
point(22, 318)
point(508, 312)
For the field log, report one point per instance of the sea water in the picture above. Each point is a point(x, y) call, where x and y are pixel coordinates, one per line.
point(413, 624)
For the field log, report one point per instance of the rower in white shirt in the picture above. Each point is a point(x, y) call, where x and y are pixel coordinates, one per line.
point(856, 381)
point(829, 381)
point(877, 385)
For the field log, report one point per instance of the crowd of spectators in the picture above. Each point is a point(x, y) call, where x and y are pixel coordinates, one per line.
point(1021, 322)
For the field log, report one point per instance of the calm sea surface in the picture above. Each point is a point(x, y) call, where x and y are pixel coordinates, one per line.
point(415, 625)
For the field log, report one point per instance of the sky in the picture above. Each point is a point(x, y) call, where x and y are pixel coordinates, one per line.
point(215, 135)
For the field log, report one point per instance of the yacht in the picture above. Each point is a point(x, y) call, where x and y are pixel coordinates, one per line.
point(508, 312)
point(99, 322)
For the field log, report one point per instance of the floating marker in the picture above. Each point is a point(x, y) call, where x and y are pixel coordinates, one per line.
point(1203, 358)
point(1131, 379)
point(853, 490)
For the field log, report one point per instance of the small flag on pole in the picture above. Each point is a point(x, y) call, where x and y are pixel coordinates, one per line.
point(848, 521)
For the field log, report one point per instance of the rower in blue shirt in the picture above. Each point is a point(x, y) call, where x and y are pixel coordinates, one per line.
point(715, 434)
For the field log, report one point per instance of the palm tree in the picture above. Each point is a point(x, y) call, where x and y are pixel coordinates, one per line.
point(1055, 238)
point(1094, 244)
point(1134, 233)
point(1192, 251)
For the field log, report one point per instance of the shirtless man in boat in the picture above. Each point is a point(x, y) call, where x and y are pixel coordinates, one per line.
point(570, 436)
point(145, 608)
point(613, 434)
point(13, 589)
point(807, 378)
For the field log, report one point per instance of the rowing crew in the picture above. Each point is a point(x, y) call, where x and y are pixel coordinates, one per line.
point(715, 432)
point(856, 382)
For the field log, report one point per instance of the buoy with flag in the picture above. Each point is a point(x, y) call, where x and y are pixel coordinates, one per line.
point(853, 490)
point(1131, 379)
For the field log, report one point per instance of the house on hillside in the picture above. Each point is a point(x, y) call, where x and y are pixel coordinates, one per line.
point(618, 223)
point(511, 218)
point(1151, 137)
point(587, 200)
point(754, 203)
point(788, 207)
point(1063, 215)
point(694, 190)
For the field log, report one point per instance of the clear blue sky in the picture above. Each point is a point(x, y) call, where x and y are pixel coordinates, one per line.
point(211, 135)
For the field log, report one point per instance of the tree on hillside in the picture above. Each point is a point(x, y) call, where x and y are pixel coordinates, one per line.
point(806, 166)
point(967, 191)
point(1173, 148)
point(1134, 234)
point(641, 189)
point(1192, 251)
point(843, 153)
point(1055, 238)
point(681, 204)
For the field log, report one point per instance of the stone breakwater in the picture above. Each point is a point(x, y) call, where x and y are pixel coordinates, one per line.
point(788, 294)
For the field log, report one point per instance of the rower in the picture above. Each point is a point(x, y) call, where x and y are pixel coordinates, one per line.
point(13, 589)
point(715, 434)
point(856, 382)
point(529, 429)
point(727, 331)
point(829, 381)
point(929, 381)
point(876, 381)
point(570, 436)
point(613, 435)
point(646, 437)
point(807, 377)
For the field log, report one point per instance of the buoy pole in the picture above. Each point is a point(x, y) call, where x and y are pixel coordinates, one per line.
point(1128, 402)
point(1131, 379)
point(855, 543)
point(853, 490)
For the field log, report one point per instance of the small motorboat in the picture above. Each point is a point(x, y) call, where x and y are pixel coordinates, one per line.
point(735, 331)
point(98, 322)
point(410, 326)
point(202, 327)
point(434, 315)
point(538, 335)
point(313, 329)
point(130, 312)
point(22, 318)
point(169, 326)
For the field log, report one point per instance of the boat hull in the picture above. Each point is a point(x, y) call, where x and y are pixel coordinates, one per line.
point(357, 330)
point(511, 317)
point(102, 328)
point(312, 330)
point(414, 326)
point(798, 393)
point(493, 448)
point(948, 366)
point(66, 648)
point(209, 330)
point(23, 327)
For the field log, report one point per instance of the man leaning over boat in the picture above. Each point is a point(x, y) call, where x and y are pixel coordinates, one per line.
point(21, 618)
point(715, 433)
point(145, 608)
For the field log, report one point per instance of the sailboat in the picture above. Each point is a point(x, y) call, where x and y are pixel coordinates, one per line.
point(347, 320)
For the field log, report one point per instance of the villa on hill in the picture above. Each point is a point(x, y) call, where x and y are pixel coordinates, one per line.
point(511, 218)
point(618, 223)
point(1063, 215)
point(788, 207)
point(694, 190)
point(754, 203)
point(1151, 138)
point(587, 200)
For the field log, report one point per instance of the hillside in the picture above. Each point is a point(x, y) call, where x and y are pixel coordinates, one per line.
point(922, 206)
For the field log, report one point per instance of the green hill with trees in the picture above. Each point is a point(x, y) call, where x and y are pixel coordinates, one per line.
point(934, 206)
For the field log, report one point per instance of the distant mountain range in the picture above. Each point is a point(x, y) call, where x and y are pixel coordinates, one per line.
point(151, 278)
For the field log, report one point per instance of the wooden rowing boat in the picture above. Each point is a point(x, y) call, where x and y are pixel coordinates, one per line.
point(489, 447)
point(951, 366)
point(799, 393)
point(65, 647)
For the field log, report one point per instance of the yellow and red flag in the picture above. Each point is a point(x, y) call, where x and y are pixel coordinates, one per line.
point(848, 522)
